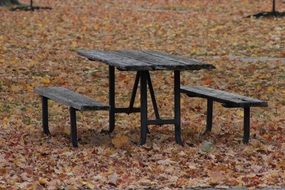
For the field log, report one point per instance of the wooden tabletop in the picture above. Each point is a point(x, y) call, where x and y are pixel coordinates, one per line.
point(143, 60)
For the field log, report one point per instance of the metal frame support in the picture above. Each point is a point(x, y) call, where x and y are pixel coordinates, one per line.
point(209, 115)
point(134, 92)
point(143, 77)
point(152, 96)
point(111, 99)
point(177, 107)
point(45, 115)
point(73, 127)
point(246, 124)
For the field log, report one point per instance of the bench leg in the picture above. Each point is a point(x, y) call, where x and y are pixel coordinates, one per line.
point(73, 128)
point(246, 125)
point(45, 115)
point(177, 116)
point(209, 116)
point(111, 99)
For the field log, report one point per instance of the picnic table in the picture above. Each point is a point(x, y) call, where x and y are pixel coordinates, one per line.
point(142, 62)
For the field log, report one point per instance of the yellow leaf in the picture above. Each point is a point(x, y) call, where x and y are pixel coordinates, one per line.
point(42, 181)
point(66, 131)
point(74, 44)
point(88, 184)
point(270, 89)
point(15, 88)
point(45, 80)
point(120, 141)
point(5, 122)
point(240, 113)
point(32, 63)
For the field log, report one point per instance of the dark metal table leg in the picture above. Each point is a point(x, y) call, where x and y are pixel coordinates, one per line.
point(111, 98)
point(177, 107)
point(143, 88)
point(134, 91)
point(246, 125)
point(45, 115)
point(73, 127)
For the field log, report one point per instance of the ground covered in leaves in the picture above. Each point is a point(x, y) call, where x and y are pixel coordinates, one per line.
point(37, 49)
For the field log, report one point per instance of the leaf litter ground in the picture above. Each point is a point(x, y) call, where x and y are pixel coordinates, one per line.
point(37, 49)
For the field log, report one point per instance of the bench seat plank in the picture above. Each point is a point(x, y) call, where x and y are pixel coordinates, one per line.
point(70, 98)
point(229, 99)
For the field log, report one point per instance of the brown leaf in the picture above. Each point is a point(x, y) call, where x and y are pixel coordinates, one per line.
point(216, 177)
point(120, 140)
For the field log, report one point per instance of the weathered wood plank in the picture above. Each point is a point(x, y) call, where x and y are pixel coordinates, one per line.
point(116, 60)
point(70, 98)
point(190, 64)
point(157, 62)
point(230, 99)
point(143, 60)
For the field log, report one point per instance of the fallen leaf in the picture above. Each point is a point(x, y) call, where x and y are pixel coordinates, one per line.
point(120, 140)
point(113, 178)
point(206, 147)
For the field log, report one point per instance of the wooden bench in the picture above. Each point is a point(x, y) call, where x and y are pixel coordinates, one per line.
point(75, 101)
point(228, 100)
